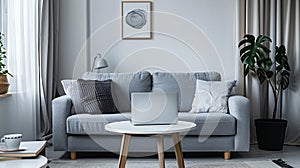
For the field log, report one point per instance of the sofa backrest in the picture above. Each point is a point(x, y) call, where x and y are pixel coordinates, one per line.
point(123, 84)
point(182, 83)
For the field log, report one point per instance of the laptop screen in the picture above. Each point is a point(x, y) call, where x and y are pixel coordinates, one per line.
point(154, 108)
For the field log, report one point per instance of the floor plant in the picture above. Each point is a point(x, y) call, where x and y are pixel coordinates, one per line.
point(255, 55)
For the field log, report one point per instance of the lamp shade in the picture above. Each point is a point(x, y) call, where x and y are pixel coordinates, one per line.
point(99, 63)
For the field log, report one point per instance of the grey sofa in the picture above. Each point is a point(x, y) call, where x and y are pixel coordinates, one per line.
point(215, 132)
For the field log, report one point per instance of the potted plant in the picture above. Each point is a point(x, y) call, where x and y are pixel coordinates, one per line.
point(254, 54)
point(3, 71)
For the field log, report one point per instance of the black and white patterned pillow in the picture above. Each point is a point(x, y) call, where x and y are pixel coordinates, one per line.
point(96, 96)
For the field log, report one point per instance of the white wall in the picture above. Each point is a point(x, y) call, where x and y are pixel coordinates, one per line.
point(194, 35)
point(5, 112)
point(72, 35)
point(15, 120)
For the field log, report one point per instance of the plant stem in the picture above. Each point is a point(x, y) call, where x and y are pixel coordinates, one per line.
point(275, 93)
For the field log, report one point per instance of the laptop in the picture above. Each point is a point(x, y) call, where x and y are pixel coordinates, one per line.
point(154, 108)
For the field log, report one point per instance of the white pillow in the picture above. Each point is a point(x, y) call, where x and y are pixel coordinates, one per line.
point(212, 96)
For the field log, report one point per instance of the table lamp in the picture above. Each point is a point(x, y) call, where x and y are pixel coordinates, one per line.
point(99, 63)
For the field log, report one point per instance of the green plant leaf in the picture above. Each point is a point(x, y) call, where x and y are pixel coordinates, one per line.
point(245, 55)
point(2, 56)
point(247, 59)
point(268, 63)
point(282, 67)
point(287, 67)
point(285, 79)
point(270, 74)
point(254, 53)
point(247, 39)
point(246, 49)
point(263, 38)
point(260, 54)
point(279, 68)
point(265, 49)
point(261, 75)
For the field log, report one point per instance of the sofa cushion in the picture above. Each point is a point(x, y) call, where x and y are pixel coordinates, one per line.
point(85, 102)
point(71, 88)
point(96, 96)
point(210, 123)
point(92, 124)
point(207, 123)
point(123, 85)
point(212, 96)
point(182, 83)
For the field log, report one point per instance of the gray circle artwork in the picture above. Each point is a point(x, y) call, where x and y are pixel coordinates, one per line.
point(136, 18)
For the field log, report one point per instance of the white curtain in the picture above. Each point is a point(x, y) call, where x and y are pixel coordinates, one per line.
point(23, 63)
point(278, 19)
point(32, 29)
point(2, 16)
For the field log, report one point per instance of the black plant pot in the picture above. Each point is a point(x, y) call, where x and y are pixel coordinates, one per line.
point(270, 133)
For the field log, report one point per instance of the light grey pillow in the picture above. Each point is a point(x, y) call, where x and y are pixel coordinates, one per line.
point(71, 89)
point(212, 96)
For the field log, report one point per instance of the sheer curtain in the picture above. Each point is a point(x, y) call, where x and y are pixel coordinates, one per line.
point(32, 50)
point(278, 19)
point(2, 16)
point(23, 63)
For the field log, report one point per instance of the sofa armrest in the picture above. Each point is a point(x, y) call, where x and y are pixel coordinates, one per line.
point(61, 109)
point(239, 107)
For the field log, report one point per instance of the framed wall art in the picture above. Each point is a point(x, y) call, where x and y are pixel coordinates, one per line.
point(136, 19)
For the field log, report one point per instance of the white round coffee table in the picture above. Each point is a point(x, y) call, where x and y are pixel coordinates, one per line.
point(128, 130)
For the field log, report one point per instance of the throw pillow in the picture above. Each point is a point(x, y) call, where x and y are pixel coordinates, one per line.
point(96, 96)
point(72, 90)
point(212, 96)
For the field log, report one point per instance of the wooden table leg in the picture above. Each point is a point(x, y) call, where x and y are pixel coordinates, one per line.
point(160, 150)
point(124, 150)
point(178, 151)
point(226, 155)
point(73, 155)
point(43, 152)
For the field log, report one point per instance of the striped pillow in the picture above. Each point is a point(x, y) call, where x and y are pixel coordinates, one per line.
point(96, 96)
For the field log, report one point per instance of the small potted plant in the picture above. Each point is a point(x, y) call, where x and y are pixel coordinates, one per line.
point(254, 54)
point(3, 71)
